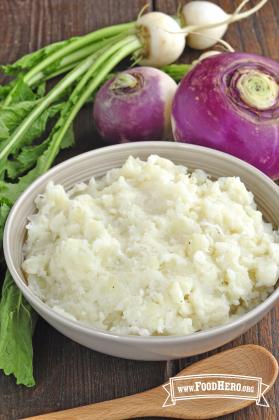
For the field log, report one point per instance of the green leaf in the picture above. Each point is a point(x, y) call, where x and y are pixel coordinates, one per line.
point(16, 330)
point(11, 116)
point(5, 89)
point(23, 100)
point(4, 211)
point(25, 160)
point(41, 90)
point(13, 169)
point(4, 132)
point(11, 191)
point(39, 125)
point(68, 139)
point(21, 92)
point(29, 154)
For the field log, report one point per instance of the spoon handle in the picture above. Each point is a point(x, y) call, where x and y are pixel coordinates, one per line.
point(118, 409)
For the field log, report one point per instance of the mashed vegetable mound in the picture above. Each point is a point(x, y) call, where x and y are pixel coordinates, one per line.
point(150, 249)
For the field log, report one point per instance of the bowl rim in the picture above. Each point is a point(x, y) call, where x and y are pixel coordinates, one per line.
point(36, 302)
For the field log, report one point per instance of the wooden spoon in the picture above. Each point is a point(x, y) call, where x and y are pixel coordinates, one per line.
point(248, 360)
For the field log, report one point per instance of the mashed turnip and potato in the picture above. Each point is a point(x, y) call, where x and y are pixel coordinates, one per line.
point(150, 249)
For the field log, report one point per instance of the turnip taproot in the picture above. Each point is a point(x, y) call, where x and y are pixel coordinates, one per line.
point(230, 102)
point(135, 105)
point(212, 20)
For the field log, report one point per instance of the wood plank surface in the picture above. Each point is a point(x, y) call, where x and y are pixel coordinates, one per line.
point(68, 374)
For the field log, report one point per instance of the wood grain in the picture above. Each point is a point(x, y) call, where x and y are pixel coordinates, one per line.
point(67, 374)
point(249, 360)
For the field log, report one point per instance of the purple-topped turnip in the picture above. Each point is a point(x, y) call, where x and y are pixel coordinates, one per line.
point(230, 102)
point(135, 105)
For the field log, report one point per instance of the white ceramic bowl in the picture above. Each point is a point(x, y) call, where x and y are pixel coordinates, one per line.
point(97, 163)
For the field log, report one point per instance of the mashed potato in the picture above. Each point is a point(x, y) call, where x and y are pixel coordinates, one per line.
point(150, 249)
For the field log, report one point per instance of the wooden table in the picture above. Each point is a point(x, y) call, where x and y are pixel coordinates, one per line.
point(68, 374)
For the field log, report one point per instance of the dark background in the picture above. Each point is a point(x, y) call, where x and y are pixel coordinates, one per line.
point(66, 373)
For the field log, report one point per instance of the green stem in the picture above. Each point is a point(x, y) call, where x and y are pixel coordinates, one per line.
point(130, 47)
point(79, 43)
point(177, 71)
point(70, 61)
point(41, 77)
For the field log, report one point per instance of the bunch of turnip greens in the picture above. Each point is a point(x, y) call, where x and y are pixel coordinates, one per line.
point(28, 149)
